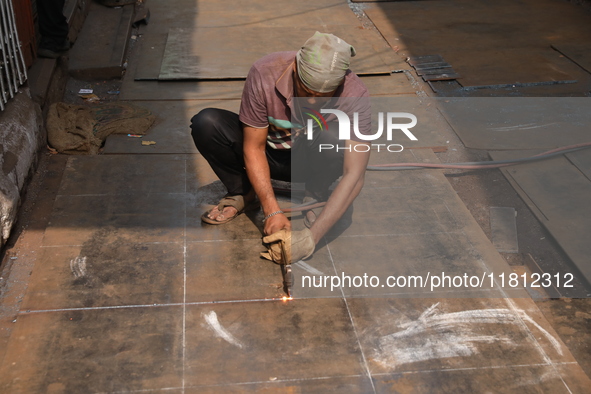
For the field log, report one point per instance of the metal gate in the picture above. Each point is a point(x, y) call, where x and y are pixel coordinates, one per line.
point(13, 72)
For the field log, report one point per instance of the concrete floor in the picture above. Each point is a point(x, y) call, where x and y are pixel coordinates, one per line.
point(114, 285)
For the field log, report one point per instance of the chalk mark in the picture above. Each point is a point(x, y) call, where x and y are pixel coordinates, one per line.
point(307, 267)
point(436, 335)
point(78, 267)
point(527, 126)
point(212, 320)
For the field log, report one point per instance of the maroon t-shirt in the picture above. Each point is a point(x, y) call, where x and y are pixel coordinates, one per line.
point(267, 98)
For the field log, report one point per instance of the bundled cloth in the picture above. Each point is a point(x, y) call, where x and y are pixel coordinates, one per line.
point(80, 130)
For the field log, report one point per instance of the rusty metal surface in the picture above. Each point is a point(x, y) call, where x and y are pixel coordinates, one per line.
point(106, 32)
point(229, 52)
point(378, 85)
point(440, 75)
point(433, 68)
point(189, 14)
point(511, 66)
point(170, 131)
point(130, 292)
point(137, 294)
point(576, 52)
point(505, 43)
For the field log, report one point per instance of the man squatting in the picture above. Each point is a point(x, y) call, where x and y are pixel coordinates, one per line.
point(261, 143)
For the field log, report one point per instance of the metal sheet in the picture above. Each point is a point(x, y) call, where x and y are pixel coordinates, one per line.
point(180, 90)
point(519, 122)
point(435, 71)
point(153, 35)
point(558, 194)
point(171, 130)
point(503, 227)
point(473, 25)
point(388, 85)
point(190, 14)
point(229, 52)
point(429, 129)
point(172, 134)
point(441, 76)
point(582, 160)
point(431, 66)
point(510, 66)
point(281, 13)
point(578, 53)
point(486, 43)
point(378, 85)
point(101, 47)
point(427, 59)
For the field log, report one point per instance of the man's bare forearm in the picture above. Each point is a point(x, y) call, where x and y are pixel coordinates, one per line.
point(259, 174)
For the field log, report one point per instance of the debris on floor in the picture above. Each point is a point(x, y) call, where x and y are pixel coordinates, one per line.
point(76, 129)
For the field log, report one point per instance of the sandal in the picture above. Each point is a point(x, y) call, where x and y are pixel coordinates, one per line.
point(230, 201)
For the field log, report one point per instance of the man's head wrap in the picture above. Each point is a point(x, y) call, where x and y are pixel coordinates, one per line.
point(323, 61)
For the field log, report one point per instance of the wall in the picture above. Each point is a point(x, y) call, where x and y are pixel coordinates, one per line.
point(20, 133)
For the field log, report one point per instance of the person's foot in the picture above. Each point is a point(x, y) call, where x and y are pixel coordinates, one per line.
point(52, 50)
point(229, 212)
point(64, 46)
point(48, 53)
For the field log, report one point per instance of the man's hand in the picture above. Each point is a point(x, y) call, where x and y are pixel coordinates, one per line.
point(276, 223)
point(286, 247)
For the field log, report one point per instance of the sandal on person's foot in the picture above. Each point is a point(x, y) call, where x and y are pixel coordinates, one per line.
point(230, 201)
point(314, 212)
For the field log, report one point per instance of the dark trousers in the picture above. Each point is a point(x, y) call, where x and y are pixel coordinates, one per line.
point(53, 25)
point(218, 136)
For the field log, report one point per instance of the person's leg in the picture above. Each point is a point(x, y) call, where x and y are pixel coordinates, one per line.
point(279, 163)
point(317, 169)
point(53, 28)
point(217, 134)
